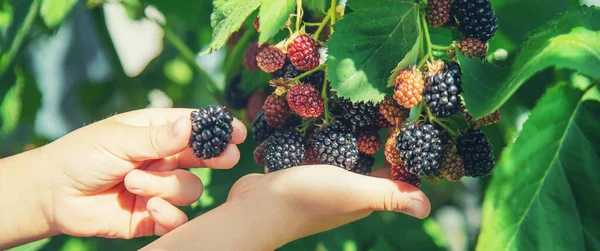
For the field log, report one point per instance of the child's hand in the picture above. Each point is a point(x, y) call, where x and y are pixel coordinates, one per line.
point(121, 177)
point(264, 212)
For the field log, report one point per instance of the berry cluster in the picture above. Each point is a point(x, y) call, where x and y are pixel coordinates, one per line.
point(211, 131)
point(475, 19)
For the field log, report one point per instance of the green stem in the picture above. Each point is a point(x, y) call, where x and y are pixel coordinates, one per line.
point(298, 14)
point(311, 24)
point(422, 62)
point(427, 37)
point(190, 57)
point(7, 58)
point(333, 12)
point(322, 25)
point(318, 68)
point(440, 47)
point(420, 110)
point(305, 125)
point(326, 100)
point(448, 129)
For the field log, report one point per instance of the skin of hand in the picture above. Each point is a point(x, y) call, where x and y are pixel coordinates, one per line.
point(263, 212)
point(118, 178)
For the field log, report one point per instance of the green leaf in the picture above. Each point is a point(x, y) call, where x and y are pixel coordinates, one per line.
point(570, 41)
point(544, 192)
point(10, 109)
point(273, 15)
point(367, 44)
point(227, 17)
point(12, 38)
point(36, 245)
point(409, 59)
point(53, 12)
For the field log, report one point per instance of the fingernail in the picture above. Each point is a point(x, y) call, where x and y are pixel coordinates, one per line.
point(175, 126)
point(416, 209)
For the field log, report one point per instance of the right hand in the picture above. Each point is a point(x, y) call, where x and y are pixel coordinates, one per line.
point(313, 199)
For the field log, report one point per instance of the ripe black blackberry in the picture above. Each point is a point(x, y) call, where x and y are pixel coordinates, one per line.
point(420, 149)
point(211, 131)
point(284, 150)
point(442, 90)
point(364, 165)
point(360, 114)
point(260, 129)
point(476, 152)
point(234, 96)
point(281, 72)
point(400, 173)
point(336, 145)
point(475, 18)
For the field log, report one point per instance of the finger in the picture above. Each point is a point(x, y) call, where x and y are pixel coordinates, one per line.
point(243, 184)
point(140, 143)
point(226, 160)
point(178, 187)
point(161, 116)
point(384, 172)
point(166, 216)
point(238, 135)
point(392, 195)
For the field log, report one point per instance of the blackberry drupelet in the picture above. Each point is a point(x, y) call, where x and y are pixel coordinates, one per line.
point(336, 145)
point(234, 96)
point(305, 100)
point(360, 114)
point(442, 90)
point(475, 18)
point(453, 168)
point(211, 131)
point(438, 12)
point(364, 165)
point(369, 142)
point(476, 152)
point(260, 129)
point(276, 111)
point(284, 150)
point(420, 149)
point(259, 154)
point(303, 52)
point(400, 173)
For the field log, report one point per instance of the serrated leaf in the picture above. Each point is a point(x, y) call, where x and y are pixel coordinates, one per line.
point(544, 192)
point(53, 12)
point(570, 41)
point(273, 15)
point(409, 59)
point(227, 17)
point(367, 45)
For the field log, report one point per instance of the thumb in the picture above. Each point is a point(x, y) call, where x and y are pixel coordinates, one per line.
point(380, 194)
point(139, 143)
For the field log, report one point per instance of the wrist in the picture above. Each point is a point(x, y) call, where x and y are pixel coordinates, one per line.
point(26, 192)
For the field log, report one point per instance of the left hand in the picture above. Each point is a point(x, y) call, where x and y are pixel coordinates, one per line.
point(122, 177)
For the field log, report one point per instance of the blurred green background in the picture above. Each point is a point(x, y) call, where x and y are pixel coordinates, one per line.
point(66, 63)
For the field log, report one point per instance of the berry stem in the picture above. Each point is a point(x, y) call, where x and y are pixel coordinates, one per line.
point(427, 37)
point(318, 68)
point(304, 126)
point(448, 129)
point(420, 110)
point(440, 47)
point(333, 13)
point(299, 13)
point(322, 25)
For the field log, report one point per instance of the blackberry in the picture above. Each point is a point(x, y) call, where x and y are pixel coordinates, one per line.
point(420, 149)
point(453, 168)
point(369, 142)
point(400, 173)
point(381, 121)
point(250, 54)
point(276, 110)
point(234, 96)
point(437, 12)
point(259, 154)
point(303, 52)
point(391, 152)
point(335, 145)
point(211, 131)
point(476, 152)
point(270, 59)
point(473, 48)
point(284, 150)
point(364, 165)
point(305, 100)
point(360, 114)
point(408, 91)
point(260, 129)
point(393, 112)
point(475, 18)
point(442, 90)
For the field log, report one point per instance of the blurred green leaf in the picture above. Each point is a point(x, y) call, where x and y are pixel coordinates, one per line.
point(367, 45)
point(539, 197)
point(227, 17)
point(13, 37)
point(36, 245)
point(191, 13)
point(317, 5)
point(570, 41)
point(6, 14)
point(10, 108)
point(53, 12)
point(381, 245)
point(273, 15)
point(254, 80)
point(433, 229)
point(179, 72)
